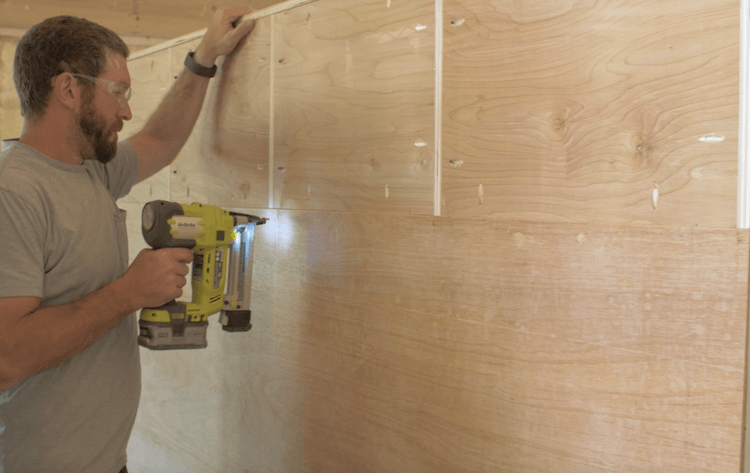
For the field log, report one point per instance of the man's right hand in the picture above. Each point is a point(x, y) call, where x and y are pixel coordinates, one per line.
point(34, 339)
point(157, 276)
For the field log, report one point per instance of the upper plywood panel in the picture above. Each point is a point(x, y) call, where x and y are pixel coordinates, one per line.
point(225, 161)
point(157, 18)
point(578, 110)
point(354, 113)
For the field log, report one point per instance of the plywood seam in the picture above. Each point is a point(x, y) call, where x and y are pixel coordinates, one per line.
point(169, 79)
point(271, 118)
point(743, 178)
point(270, 11)
point(438, 106)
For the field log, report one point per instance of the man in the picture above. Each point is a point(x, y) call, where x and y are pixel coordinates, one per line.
point(69, 362)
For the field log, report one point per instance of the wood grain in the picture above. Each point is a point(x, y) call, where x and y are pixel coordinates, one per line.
point(464, 345)
point(602, 335)
point(354, 113)
point(225, 161)
point(418, 344)
point(573, 111)
point(160, 18)
point(11, 122)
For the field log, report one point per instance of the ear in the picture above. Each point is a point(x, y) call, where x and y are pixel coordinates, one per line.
point(66, 91)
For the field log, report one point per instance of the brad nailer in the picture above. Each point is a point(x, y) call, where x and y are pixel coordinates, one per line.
point(216, 237)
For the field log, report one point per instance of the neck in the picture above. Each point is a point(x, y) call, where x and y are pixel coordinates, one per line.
point(52, 137)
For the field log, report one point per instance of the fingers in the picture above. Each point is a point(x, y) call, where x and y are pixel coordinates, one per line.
point(157, 276)
point(226, 31)
point(183, 270)
point(178, 254)
point(234, 13)
point(242, 29)
point(179, 257)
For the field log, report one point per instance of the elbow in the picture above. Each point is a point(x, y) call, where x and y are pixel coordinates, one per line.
point(9, 376)
point(8, 381)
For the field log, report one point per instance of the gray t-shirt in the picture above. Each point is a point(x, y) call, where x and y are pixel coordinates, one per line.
point(63, 237)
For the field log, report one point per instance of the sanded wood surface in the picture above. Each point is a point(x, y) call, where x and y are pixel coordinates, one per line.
point(419, 344)
point(606, 337)
point(354, 113)
point(575, 110)
point(225, 161)
point(11, 121)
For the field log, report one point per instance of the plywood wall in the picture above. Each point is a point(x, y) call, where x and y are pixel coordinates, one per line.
point(554, 321)
point(576, 111)
point(146, 18)
point(11, 121)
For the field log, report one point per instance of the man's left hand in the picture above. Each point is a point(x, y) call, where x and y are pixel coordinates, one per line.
point(222, 35)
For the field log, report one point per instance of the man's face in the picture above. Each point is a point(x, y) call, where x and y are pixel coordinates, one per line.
point(101, 116)
point(100, 136)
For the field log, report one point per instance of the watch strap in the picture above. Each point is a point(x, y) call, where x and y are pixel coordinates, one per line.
point(197, 69)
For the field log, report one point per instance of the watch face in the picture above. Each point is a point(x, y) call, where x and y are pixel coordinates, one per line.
point(148, 217)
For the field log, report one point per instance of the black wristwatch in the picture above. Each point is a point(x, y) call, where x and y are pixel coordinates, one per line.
point(197, 69)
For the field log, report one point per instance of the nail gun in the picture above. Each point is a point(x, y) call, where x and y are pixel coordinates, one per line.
point(215, 236)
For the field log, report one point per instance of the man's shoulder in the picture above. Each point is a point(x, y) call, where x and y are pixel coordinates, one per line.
point(18, 169)
point(28, 175)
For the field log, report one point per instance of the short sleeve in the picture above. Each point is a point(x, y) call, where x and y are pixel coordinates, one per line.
point(22, 233)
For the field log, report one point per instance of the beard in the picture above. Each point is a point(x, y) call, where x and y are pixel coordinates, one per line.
point(96, 143)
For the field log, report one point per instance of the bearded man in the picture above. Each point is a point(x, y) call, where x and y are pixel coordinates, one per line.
point(70, 375)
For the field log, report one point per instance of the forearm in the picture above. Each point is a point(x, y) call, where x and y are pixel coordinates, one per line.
point(169, 127)
point(50, 336)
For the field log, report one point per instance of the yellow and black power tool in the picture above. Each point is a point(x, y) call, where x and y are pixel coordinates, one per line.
point(216, 237)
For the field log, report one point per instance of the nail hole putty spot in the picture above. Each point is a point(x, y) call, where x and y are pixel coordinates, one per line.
point(711, 138)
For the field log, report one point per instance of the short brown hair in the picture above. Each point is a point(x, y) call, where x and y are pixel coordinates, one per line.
point(56, 45)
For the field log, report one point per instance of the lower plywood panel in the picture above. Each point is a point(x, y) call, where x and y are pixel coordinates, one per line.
point(419, 344)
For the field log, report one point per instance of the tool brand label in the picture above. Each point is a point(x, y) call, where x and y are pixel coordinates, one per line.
point(187, 228)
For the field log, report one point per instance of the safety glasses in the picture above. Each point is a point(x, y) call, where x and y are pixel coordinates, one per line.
point(118, 90)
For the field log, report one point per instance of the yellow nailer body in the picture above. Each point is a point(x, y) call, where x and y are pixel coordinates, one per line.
point(218, 239)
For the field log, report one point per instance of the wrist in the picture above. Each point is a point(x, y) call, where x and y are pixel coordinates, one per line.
point(203, 57)
point(126, 294)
